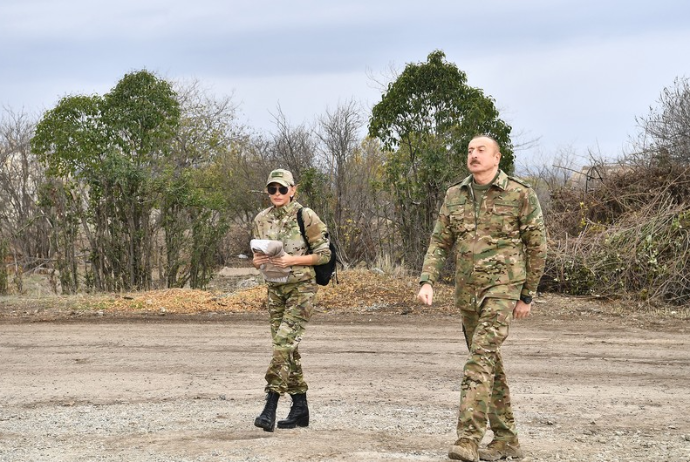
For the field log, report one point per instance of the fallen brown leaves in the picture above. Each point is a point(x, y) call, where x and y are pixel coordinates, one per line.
point(356, 291)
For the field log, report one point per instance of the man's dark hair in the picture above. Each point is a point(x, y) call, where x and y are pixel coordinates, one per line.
point(484, 135)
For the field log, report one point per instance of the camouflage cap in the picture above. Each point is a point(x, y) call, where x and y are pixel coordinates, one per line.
point(280, 176)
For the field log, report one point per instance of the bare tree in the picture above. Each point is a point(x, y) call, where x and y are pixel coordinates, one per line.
point(340, 139)
point(294, 147)
point(369, 230)
point(21, 176)
point(666, 129)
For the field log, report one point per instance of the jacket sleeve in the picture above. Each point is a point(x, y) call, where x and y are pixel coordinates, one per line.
point(440, 244)
point(533, 236)
point(317, 235)
point(255, 230)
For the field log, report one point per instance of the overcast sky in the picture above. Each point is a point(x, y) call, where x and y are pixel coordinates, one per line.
point(572, 74)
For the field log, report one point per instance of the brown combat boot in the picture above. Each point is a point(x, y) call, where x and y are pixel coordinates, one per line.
point(497, 450)
point(464, 449)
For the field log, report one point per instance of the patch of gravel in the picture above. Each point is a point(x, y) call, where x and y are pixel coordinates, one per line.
point(203, 430)
point(384, 388)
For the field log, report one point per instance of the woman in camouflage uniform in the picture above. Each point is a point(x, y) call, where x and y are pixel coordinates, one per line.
point(289, 303)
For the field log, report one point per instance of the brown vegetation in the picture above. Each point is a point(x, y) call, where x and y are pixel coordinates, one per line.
point(630, 237)
point(357, 290)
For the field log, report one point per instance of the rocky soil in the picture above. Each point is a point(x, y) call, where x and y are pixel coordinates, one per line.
point(588, 385)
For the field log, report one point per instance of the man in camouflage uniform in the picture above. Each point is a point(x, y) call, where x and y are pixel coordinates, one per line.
point(289, 303)
point(495, 222)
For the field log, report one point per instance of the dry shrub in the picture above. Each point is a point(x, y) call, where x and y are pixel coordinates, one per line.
point(357, 290)
point(629, 238)
point(235, 242)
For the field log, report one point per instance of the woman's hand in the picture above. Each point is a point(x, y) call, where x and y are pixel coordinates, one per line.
point(260, 259)
point(285, 261)
point(282, 262)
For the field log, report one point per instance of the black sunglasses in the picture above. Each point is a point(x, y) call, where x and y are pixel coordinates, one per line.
point(274, 189)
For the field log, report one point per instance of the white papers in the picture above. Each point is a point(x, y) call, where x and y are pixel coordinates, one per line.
point(271, 248)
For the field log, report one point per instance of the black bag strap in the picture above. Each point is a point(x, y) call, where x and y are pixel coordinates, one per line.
point(300, 222)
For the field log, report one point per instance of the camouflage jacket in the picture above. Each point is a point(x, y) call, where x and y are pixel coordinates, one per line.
point(280, 224)
point(501, 250)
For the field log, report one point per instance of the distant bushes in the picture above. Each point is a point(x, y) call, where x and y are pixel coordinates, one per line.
point(630, 237)
point(4, 288)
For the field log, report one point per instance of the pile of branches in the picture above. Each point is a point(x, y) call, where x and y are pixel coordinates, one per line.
point(629, 238)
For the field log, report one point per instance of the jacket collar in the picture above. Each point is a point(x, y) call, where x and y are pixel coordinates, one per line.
point(501, 181)
point(287, 209)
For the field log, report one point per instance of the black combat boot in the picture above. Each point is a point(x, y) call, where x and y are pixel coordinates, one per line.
point(299, 413)
point(267, 419)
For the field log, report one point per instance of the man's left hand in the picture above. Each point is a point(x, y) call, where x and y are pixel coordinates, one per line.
point(521, 309)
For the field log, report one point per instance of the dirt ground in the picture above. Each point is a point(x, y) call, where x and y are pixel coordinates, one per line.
point(587, 385)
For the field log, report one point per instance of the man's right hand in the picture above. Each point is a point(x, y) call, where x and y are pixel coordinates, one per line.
point(426, 294)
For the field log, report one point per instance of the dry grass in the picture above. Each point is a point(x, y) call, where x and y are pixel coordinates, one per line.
point(357, 290)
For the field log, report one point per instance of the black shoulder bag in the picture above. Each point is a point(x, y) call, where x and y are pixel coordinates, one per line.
point(324, 272)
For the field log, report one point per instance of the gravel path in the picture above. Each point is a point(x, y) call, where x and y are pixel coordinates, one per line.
point(383, 388)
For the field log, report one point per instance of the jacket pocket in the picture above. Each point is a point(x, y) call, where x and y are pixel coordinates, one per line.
point(506, 218)
point(461, 216)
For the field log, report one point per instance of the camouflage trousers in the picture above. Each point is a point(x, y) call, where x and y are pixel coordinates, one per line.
point(485, 394)
point(289, 307)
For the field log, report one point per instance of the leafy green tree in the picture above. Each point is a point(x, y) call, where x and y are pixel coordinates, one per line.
point(70, 140)
point(115, 146)
point(61, 206)
point(194, 222)
point(425, 120)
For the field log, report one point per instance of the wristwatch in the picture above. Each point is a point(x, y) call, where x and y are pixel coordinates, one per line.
point(526, 299)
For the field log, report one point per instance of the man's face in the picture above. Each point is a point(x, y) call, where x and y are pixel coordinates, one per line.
point(482, 156)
